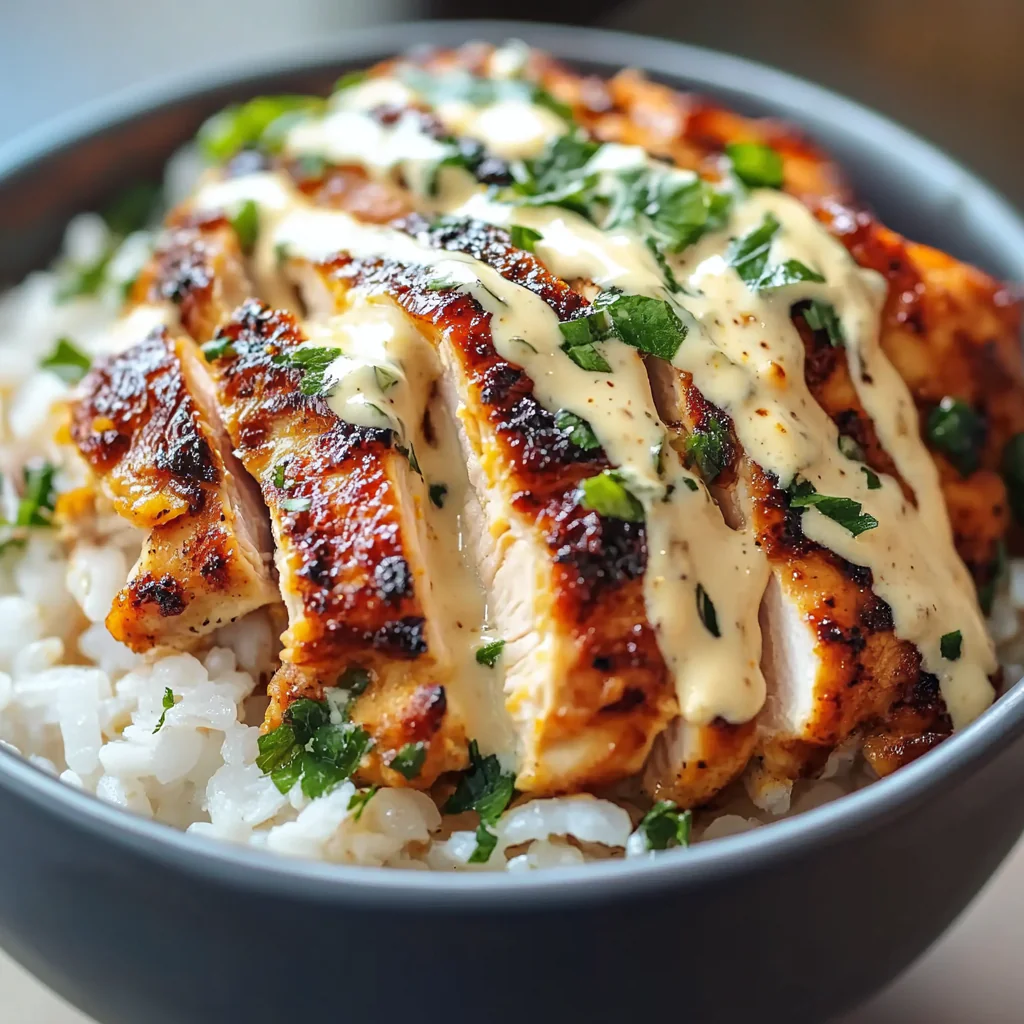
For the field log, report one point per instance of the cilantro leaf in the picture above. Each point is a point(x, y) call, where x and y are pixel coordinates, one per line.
point(959, 432)
point(359, 801)
point(312, 361)
point(523, 237)
point(409, 760)
point(748, 255)
point(821, 316)
point(710, 446)
point(67, 361)
point(706, 611)
point(486, 789)
point(844, 511)
point(246, 222)
point(950, 645)
point(755, 164)
point(664, 826)
point(607, 495)
point(167, 703)
point(490, 652)
point(650, 325)
point(580, 432)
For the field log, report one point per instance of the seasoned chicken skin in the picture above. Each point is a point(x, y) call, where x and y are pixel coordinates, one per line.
point(147, 425)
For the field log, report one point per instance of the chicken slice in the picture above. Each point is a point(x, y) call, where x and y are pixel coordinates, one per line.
point(585, 682)
point(146, 423)
point(346, 509)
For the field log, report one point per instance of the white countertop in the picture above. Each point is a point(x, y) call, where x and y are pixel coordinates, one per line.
point(973, 975)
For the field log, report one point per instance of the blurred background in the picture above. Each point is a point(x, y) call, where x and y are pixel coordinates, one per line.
point(950, 69)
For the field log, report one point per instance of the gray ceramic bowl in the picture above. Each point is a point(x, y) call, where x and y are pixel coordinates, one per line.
point(138, 924)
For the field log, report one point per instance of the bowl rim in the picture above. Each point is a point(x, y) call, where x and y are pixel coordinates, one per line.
point(243, 867)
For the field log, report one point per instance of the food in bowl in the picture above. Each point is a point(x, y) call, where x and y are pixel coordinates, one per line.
point(493, 467)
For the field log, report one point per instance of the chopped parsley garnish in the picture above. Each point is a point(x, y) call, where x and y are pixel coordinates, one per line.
point(650, 325)
point(665, 826)
point(691, 483)
point(950, 645)
point(710, 447)
point(874, 483)
point(580, 348)
point(462, 87)
point(67, 361)
point(312, 361)
point(821, 316)
point(667, 274)
point(410, 453)
point(523, 237)
point(220, 346)
point(349, 80)
point(1012, 466)
point(296, 504)
point(844, 511)
point(959, 432)
point(279, 474)
point(167, 703)
point(490, 652)
point(409, 760)
point(706, 611)
point(355, 679)
point(134, 209)
point(749, 256)
point(246, 222)
point(607, 495)
point(38, 499)
point(360, 799)
point(755, 164)
point(486, 789)
point(259, 123)
point(438, 492)
point(309, 749)
point(85, 280)
point(384, 377)
point(580, 432)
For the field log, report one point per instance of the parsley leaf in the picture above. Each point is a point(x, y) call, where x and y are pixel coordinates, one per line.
point(710, 447)
point(312, 361)
point(755, 164)
point(959, 432)
point(650, 325)
point(67, 361)
point(359, 801)
point(579, 345)
point(296, 504)
point(821, 316)
point(167, 703)
point(85, 280)
point(607, 495)
point(246, 222)
point(490, 652)
point(355, 679)
point(38, 499)
point(523, 237)
point(279, 474)
point(950, 645)
point(580, 432)
point(664, 826)
point(220, 346)
point(252, 124)
point(438, 492)
point(706, 611)
point(844, 511)
point(486, 789)
point(307, 748)
point(874, 484)
point(409, 760)
point(134, 209)
point(748, 255)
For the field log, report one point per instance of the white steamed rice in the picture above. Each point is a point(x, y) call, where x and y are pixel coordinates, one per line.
point(78, 704)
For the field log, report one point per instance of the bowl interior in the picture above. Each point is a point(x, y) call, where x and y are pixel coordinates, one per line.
point(79, 162)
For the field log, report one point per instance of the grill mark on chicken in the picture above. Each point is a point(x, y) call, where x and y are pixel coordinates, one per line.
point(351, 592)
point(141, 425)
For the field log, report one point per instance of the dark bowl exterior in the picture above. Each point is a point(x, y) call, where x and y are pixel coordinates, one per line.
point(133, 922)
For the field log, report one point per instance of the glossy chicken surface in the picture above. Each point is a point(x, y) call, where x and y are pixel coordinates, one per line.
point(215, 455)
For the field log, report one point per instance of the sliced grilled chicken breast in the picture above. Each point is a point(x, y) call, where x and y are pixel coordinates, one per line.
point(346, 509)
point(147, 425)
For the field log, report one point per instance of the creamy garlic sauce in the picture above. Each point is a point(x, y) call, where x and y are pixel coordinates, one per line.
point(745, 356)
